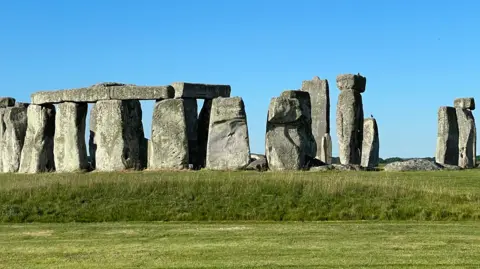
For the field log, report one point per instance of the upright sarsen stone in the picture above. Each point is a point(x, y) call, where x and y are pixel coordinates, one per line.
point(350, 126)
point(116, 135)
point(37, 151)
point(169, 140)
point(228, 145)
point(370, 144)
point(4, 103)
point(447, 136)
point(320, 110)
point(70, 149)
point(15, 126)
point(467, 140)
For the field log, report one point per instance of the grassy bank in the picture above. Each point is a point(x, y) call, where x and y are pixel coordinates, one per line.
point(218, 196)
point(241, 245)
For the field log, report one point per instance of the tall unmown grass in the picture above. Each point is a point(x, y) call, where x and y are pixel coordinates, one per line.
point(219, 196)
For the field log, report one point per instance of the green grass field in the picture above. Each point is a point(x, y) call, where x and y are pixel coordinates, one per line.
point(242, 245)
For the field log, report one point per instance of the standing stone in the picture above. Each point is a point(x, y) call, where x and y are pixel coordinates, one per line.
point(203, 125)
point(287, 142)
point(4, 103)
point(228, 146)
point(350, 117)
point(320, 103)
point(37, 152)
point(70, 149)
point(370, 144)
point(169, 140)
point(15, 123)
point(116, 134)
point(466, 139)
point(191, 120)
point(447, 136)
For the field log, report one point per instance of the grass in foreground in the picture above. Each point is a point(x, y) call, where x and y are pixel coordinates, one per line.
point(233, 196)
point(242, 245)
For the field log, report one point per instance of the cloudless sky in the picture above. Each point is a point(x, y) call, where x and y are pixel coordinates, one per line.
point(416, 55)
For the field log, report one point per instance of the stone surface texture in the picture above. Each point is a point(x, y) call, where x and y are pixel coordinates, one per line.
point(350, 126)
point(169, 139)
point(447, 136)
point(413, 165)
point(467, 138)
point(370, 144)
point(37, 151)
point(15, 128)
point(116, 135)
point(102, 92)
point(200, 91)
point(320, 110)
point(351, 82)
point(70, 150)
point(465, 103)
point(228, 145)
point(7, 102)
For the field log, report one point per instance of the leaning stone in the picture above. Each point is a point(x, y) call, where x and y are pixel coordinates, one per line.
point(169, 140)
point(320, 110)
point(191, 120)
point(70, 149)
point(37, 151)
point(447, 136)
point(6, 102)
point(203, 125)
point(351, 82)
point(350, 126)
point(467, 140)
point(228, 145)
point(413, 165)
point(15, 123)
point(200, 91)
point(370, 144)
point(116, 134)
point(466, 103)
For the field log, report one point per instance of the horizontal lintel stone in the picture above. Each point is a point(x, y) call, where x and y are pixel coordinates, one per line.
point(200, 91)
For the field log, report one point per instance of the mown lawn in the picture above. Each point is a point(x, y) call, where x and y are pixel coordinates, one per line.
point(242, 245)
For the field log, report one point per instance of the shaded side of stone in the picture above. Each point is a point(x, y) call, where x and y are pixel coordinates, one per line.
point(6, 102)
point(350, 126)
point(70, 149)
point(169, 139)
point(37, 151)
point(466, 138)
point(191, 120)
point(15, 123)
point(228, 143)
point(447, 137)
point(203, 125)
point(370, 144)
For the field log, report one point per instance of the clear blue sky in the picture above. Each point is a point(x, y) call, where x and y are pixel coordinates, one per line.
point(416, 55)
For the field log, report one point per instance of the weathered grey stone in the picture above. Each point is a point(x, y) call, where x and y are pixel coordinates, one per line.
point(191, 120)
point(322, 168)
point(466, 103)
point(203, 125)
point(6, 102)
point(255, 156)
point(413, 165)
point(347, 167)
point(200, 91)
point(320, 110)
point(20, 104)
point(447, 136)
point(450, 167)
point(116, 135)
point(351, 82)
point(350, 126)
point(289, 139)
point(2, 132)
point(370, 144)
point(169, 140)
point(467, 138)
point(15, 128)
point(37, 151)
point(228, 146)
point(104, 91)
point(259, 164)
point(70, 149)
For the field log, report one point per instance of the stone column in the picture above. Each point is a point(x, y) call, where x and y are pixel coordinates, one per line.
point(447, 136)
point(350, 117)
point(228, 145)
point(288, 140)
point(70, 149)
point(370, 144)
point(169, 140)
point(203, 125)
point(467, 139)
point(15, 123)
point(116, 135)
point(320, 100)
point(4, 103)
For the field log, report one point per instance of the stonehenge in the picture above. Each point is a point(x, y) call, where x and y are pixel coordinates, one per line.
point(370, 144)
point(15, 129)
